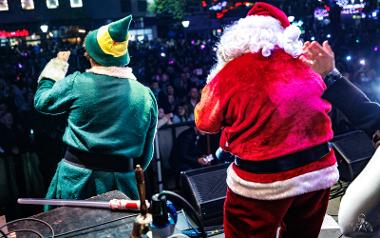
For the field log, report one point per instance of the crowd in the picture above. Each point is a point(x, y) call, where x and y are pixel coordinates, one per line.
point(175, 70)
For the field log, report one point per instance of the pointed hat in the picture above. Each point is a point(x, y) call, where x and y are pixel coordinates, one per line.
point(108, 45)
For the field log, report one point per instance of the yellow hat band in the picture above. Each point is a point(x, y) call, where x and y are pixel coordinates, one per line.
point(108, 45)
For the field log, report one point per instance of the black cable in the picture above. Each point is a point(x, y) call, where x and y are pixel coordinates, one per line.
point(31, 219)
point(3, 234)
point(338, 192)
point(89, 227)
point(189, 206)
point(188, 222)
point(25, 230)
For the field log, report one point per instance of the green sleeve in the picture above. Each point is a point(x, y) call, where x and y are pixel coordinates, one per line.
point(149, 141)
point(55, 98)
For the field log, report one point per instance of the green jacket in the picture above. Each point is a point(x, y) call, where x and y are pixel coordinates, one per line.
point(106, 114)
point(109, 112)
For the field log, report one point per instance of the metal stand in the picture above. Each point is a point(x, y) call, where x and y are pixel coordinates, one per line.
point(159, 164)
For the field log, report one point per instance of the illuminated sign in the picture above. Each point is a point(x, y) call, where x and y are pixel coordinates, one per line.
point(219, 6)
point(11, 34)
point(351, 9)
point(321, 13)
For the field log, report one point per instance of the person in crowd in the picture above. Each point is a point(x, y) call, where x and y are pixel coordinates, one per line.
point(274, 124)
point(112, 118)
point(193, 99)
point(182, 114)
point(191, 150)
point(8, 139)
point(361, 199)
point(155, 87)
point(167, 99)
point(164, 119)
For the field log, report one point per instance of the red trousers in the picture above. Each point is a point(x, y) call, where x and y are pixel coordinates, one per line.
point(299, 216)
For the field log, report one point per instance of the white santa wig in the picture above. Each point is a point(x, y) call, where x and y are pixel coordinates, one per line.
point(252, 34)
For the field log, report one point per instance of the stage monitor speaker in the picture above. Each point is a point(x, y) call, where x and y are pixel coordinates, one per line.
point(206, 189)
point(353, 150)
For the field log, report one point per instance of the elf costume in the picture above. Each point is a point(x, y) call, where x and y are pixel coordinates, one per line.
point(112, 118)
point(274, 125)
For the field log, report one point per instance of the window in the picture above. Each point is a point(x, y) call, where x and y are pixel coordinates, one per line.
point(4, 5)
point(126, 6)
point(76, 3)
point(52, 4)
point(141, 34)
point(141, 6)
point(27, 4)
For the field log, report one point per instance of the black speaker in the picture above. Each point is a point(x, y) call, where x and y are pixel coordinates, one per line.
point(206, 189)
point(353, 150)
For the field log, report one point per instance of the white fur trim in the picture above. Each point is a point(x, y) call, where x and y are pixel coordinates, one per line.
point(252, 34)
point(56, 70)
point(118, 72)
point(305, 183)
point(290, 42)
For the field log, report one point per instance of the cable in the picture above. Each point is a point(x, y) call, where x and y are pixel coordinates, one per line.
point(31, 219)
point(339, 190)
point(25, 230)
point(189, 206)
point(89, 227)
point(333, 215)
point(188, 222)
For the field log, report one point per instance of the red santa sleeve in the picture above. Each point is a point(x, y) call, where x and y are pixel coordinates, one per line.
point(209, 112)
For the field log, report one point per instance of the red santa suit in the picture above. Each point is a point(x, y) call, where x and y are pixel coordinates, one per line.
point(274, 123)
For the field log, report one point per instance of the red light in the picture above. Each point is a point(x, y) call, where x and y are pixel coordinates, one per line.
point(204, 4)
point(10, 34)
point(230, 7)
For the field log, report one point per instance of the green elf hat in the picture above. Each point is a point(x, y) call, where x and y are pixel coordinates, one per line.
point(108, 45)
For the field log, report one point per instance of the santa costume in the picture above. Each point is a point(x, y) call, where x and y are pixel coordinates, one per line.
point(112, 117)
point(275, 126)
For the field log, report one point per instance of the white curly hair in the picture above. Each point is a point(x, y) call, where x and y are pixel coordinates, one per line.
point(251, 34)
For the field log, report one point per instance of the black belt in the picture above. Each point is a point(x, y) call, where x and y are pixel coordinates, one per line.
point(283, 163)
point(101, 162)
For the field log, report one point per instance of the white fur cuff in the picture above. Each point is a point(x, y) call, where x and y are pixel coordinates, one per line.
point(56, 70)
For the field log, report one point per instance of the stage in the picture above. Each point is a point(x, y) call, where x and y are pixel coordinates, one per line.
point(86, 223)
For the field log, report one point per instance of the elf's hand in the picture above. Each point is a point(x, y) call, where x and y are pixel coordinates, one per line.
point(63, 55)
point(320, 58)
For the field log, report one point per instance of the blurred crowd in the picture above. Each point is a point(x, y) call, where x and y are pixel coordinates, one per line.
point(175, 70)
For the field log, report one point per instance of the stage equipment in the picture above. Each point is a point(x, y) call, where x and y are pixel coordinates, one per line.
point(206, 189)
point(353, 150)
